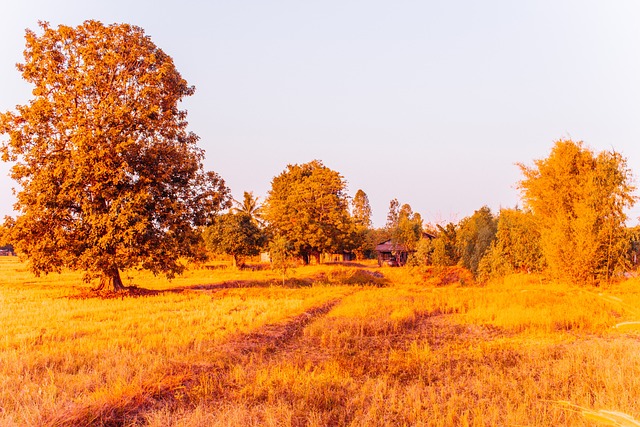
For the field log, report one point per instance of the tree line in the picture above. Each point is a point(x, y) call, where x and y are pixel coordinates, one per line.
point(110, 178)
point(572, 225)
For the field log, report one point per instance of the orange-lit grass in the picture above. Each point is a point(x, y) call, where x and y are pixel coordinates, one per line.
point(57, 350)
point(411, 355)
point(408, 353)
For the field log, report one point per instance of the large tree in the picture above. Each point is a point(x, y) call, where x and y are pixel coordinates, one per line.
point(110, 176)
point(579, 198)
point(308, 206)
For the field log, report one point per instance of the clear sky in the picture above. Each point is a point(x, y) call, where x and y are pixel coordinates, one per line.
point(429, 102)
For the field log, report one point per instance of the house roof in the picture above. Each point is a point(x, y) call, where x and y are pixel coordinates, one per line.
point(429, 236)
point(389, 246)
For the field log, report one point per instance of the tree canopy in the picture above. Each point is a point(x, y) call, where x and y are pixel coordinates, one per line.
point(404, 225)
point(516, 247)
point(308, 206)
point(235, 234)
point(250, 206)
point(110, 177)
point(578, 198)
point(474, 237)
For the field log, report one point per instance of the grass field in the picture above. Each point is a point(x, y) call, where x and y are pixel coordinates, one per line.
point(335, 345)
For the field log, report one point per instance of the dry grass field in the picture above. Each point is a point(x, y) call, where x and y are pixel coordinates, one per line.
point(334, 346)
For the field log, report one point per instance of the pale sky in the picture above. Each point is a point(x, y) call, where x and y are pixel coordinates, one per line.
point(429, 102)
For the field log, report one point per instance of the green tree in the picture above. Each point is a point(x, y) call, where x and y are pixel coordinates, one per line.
point(423, 254)
point(474, 237)
point(235, 234)
point(307, 205)
point(578, 198)
point(110, 176)
point(516, 247)
point(445, 252)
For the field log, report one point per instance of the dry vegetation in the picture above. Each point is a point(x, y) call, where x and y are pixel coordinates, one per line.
point(336, 345)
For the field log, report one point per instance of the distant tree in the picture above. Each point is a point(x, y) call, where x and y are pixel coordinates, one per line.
point(516, 247)
point(363, 243)
point(578, 198)
point(423, 253)
point(280, 252)
point(110, 177)
point(249, 206)
point(5, 229)
point(235, 234)
point(633, 253)
point(404, 227)
point(394, 214)
point(445, 252)
point(474, 237)
point(307, 205)
point(361, 209)
point(408, 230)
point(373, 237)
point(5, 233)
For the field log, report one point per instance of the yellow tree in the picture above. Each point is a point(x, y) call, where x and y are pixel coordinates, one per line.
point(578, 198)
point(110, 176)
point(307, 205)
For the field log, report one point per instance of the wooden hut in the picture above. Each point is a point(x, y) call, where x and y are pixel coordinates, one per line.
point(394, 254)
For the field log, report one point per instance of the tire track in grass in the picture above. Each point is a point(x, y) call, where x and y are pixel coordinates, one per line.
point(129, 406)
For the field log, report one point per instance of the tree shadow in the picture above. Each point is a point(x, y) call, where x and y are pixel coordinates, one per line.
point(356, 277)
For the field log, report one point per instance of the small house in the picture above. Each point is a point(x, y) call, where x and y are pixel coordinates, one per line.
point(394, 254)
point(391, 254)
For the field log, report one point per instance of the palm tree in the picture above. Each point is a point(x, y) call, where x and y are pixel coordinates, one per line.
point(249, 206)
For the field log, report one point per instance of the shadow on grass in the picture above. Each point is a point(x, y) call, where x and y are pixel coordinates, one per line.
point(352, 277)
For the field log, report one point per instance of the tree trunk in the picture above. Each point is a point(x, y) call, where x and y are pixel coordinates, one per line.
point(116, 281)
point(238, 262)
point(111, 278)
